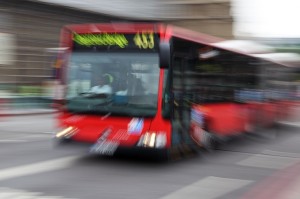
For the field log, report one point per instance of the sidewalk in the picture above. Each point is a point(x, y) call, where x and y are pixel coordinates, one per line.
point(294, 119)
point(27, 111)
point(17, 105)
point(284, 184)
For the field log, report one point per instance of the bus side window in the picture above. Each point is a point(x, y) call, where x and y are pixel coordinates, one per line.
point(166, 105)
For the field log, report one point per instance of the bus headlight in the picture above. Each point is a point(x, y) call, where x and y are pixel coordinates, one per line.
point(153, 140)
point(67, 132)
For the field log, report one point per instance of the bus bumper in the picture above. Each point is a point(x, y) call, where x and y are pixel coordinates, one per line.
point(119, 151)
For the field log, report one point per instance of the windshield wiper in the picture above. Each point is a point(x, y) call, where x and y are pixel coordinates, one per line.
point(106, 116)
point(94, 95)
point(141, 105)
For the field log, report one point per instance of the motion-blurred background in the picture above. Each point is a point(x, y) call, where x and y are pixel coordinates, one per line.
point(30, 31)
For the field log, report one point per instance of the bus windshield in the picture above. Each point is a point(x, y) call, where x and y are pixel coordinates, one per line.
point(113, 83)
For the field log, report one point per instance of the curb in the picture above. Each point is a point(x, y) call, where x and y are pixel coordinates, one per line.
point(28, 113)
point(277, 186)
point(289, 124)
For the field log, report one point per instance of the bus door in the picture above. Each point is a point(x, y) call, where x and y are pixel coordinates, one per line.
point(181, 105)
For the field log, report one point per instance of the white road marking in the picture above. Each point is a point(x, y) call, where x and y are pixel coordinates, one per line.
point(209, 188)
point(35, 168)
point(14, 193)
point(268, 161)
point(36, 137)
point(14, 123)
point(283, 154)
point(11, 141)
point(288, 123)
point(8, 193)
point(26, 138)
point(49, 132)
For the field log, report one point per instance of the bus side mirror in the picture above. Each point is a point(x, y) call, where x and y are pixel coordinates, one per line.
point(164, 54)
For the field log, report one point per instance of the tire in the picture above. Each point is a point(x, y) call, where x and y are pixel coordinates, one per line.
point(61, 142)
point(209, 141)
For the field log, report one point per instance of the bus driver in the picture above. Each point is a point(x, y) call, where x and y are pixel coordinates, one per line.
point(103, 86)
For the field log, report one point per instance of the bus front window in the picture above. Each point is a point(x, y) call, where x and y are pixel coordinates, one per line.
point(115, 83)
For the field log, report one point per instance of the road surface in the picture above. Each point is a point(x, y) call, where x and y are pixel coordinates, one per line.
point(32, 166)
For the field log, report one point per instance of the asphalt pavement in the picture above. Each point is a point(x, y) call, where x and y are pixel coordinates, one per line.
point(255, 165)
point(26, 111)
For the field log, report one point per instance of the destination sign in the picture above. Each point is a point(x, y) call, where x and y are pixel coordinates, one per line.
point(145, 40)
point(101, 40)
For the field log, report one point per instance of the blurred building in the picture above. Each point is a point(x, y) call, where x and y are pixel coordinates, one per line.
point(29, 33)
point(29, 30)
point(212, 17)
point(289, 45)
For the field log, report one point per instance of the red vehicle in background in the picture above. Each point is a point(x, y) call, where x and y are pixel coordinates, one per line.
point(157, 88)
point(284, 81)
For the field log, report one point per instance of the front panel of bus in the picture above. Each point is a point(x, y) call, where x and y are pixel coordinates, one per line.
point(127, 112)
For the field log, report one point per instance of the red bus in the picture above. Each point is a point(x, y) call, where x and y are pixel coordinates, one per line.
point(283, 80)
point(158, 88)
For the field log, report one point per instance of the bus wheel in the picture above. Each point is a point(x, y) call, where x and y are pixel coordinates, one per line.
point(61, 142)
point(209, 141)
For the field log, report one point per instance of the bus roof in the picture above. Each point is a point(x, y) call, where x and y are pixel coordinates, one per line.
point(244, 46)
point(111, 27)
point(128, 27)
point(287, 59)
point(260, 51)
point(193, 35)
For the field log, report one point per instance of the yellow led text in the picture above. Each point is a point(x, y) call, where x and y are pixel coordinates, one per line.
point(101, 39)
point(144, 40)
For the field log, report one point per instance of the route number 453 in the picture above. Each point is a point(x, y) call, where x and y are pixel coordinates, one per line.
point(144, 40)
